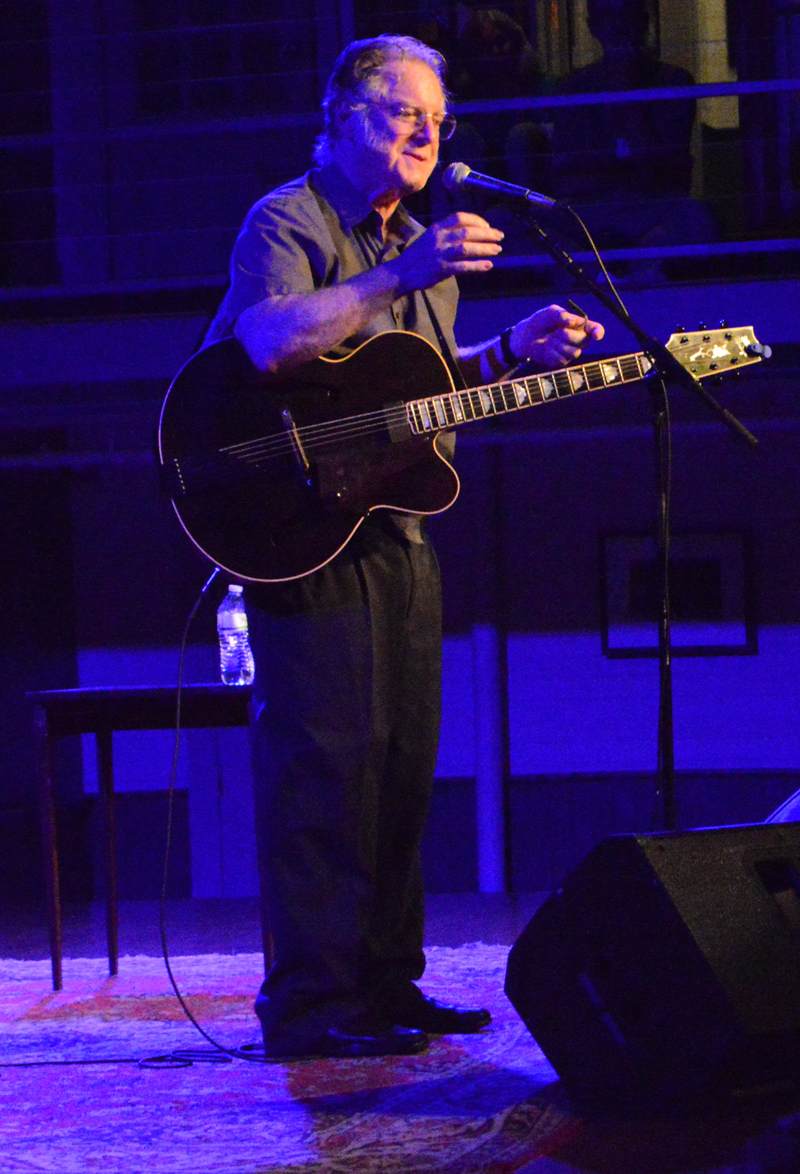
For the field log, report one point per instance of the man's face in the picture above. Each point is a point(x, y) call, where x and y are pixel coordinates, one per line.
point(385, 155)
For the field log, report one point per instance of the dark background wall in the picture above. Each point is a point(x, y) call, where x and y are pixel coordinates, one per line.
point(138, 135)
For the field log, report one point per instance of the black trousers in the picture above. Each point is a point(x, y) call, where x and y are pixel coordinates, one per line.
point(344, 735)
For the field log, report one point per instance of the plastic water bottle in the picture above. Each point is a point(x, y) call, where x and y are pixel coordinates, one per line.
point(235, 655)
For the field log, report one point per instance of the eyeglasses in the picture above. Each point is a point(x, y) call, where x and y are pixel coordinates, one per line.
point(413, 118)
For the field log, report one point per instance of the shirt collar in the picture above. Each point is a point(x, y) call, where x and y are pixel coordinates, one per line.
point(354, 209)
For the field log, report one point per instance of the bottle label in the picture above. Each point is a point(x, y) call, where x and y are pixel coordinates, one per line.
point(232, 620)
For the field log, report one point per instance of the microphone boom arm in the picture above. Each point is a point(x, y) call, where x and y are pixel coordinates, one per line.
point(665, 361)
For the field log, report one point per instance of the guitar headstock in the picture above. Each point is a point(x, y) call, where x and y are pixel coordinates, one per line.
point(712, 352)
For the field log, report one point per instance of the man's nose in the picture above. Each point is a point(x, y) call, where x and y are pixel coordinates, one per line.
point(427, 132)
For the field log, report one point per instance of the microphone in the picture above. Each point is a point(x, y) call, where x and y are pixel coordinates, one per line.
point(458, 175)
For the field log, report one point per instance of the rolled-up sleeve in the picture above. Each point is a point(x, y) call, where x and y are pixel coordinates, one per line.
point(280, 249)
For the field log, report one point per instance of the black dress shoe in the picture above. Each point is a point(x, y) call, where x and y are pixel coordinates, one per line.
point(428, 1014)
point(362, 1037)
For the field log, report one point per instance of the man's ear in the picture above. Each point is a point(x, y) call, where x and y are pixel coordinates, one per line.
point(341, 118)
point(345, 124)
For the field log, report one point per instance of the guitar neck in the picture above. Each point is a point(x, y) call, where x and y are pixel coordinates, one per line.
point(436, 412)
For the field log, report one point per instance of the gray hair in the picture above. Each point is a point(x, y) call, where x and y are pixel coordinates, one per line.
point(359, 68)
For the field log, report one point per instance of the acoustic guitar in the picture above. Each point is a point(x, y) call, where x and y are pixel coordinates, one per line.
point(271, 478)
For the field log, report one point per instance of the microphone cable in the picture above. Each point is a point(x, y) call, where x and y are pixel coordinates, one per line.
point(217, 1053)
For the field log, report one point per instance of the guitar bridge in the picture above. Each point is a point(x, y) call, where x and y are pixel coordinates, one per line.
point(294, 436)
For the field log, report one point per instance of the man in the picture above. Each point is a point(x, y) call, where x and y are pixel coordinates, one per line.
point(346, 705)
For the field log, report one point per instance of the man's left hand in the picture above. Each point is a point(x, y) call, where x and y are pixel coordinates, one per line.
point(553, 337)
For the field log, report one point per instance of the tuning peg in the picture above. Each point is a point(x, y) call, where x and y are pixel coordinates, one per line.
point(723, 325)
point(755, 348)
point(680, 330)
point(701, 326)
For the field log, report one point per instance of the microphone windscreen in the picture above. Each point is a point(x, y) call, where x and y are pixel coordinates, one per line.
point(455, 175)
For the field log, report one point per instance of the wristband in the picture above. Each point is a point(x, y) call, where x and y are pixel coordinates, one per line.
point(509, 358)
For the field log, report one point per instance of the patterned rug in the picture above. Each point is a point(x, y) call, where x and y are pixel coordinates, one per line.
point(486, 1103)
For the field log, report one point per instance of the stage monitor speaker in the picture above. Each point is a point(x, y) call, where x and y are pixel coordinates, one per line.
point(667, 967)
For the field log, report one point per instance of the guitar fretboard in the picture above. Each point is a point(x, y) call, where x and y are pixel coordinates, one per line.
point(494, 399)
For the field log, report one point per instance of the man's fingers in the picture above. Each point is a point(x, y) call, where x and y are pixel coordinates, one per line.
point(466, 237)
point(480, 248)
point(464, 219)
point(477, 265)
point(482, 232)
point(465, 227)
point(554, 336)
point(584, 327)
point(468, 247)
point(554, 317)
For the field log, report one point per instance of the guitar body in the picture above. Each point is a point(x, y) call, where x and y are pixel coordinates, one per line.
point(270, 478)
point(269, 506)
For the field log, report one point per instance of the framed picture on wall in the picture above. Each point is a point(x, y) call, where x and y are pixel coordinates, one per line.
point(711, 595)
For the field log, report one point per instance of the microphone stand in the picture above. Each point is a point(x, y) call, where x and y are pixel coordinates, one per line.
point(669, 370)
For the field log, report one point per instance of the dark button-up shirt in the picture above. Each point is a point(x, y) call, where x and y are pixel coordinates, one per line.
point(318, 231)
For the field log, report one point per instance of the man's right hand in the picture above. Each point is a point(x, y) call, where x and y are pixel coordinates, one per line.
point(461, 243)
point(282, 332)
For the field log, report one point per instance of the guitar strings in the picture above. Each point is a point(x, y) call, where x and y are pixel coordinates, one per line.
point(472, 402)
point(356, 425)
point(316, 436)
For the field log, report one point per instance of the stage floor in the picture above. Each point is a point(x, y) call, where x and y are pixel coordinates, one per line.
point(230, 926)
point(495, 1088)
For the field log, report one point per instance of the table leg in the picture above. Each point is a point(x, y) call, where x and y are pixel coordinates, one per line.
point(47, 816)
point(105, 778)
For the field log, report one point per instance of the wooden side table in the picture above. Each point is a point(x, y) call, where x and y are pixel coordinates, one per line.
point(60, 712)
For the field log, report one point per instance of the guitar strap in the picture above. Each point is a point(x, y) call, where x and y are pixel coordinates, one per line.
point(447, 354)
